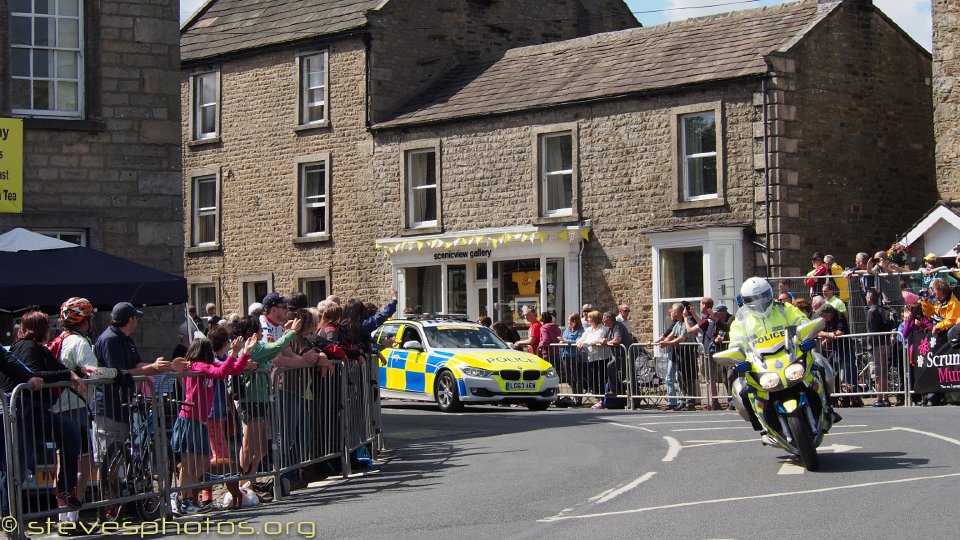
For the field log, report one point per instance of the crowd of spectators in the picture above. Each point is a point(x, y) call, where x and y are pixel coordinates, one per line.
point(218, 357)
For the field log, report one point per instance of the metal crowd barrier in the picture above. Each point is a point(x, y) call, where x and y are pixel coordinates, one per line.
point(301, 420)
point(868, 364)
point(593, 372)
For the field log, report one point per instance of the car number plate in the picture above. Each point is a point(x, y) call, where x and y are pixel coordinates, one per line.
point(521, 386)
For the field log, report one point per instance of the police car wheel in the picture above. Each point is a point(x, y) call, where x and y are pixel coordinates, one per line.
point(447, 396)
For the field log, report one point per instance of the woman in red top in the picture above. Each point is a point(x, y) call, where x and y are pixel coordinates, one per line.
point(191, 438)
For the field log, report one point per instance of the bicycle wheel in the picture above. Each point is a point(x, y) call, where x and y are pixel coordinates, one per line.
point(114, 472)
point(149, 479)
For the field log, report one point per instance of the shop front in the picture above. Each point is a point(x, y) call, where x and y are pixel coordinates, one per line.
point(493, 272)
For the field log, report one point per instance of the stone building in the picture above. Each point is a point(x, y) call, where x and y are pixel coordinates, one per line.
point(656, 164)
point(277, 100)
point(946, 95)
point(95, 83)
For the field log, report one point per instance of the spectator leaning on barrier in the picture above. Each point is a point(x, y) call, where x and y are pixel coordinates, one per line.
point(13, 372)
point(623, 316)
point(862, 271)
point(676, 333)
point(533, 335)
point(549, 334)
point(597, 354)
point(837, 350)
point(76, 354)
point(942, 307)
point(47, 426)
point(116, 349)
point(829, 294)
point(706, 333)
point(572, 361)
point(619, 340)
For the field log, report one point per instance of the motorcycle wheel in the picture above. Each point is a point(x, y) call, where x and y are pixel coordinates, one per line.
point(803, 441)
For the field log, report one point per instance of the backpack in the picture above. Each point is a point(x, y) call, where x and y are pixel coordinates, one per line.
point(890, 320)
point(56, 345)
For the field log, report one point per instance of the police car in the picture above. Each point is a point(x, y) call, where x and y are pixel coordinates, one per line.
point(455, 362)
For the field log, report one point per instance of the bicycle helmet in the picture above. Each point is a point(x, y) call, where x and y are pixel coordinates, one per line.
point(757, 296)
point(75, 309)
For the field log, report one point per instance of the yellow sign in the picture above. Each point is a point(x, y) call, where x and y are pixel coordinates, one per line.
point(11, 165)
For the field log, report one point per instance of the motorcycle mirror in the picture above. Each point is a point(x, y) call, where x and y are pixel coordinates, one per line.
point(808, 345)
point(739, 301)
point(743, 367)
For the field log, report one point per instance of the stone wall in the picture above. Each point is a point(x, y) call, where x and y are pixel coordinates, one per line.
point(416, 41)
point(115, 173)
point(625, 180)
point(256, 160)
point(854, 153)
point(946, 95)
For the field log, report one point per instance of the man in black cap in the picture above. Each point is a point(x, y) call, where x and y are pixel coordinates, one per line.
point(819, 269)
point(115, 349)
point(275, 314)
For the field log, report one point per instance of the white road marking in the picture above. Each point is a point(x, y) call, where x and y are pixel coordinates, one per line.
point(929, 434)
point(737, 420)
point(838, 448)
point(648, 430)
point(601, 495)
point(753, 497)
point(620, 491)
point(674, 449)
point(789, 467)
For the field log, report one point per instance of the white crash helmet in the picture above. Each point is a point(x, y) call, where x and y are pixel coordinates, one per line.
point(757, 296)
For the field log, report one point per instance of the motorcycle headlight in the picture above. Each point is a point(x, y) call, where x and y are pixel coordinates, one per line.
point(794, 372)
point(769, 381)
point(476, 372)
point(550, 373)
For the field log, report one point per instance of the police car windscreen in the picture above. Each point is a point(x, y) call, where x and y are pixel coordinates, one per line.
point(462, 337)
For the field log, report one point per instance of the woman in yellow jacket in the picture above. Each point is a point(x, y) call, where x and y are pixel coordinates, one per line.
point(942, 308)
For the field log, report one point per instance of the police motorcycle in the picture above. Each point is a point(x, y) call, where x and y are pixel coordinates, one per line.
point(784, 386)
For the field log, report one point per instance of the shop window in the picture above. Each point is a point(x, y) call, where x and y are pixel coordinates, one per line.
point(422, 193)
point(422, 289)
point(313, 88)
point(46, 58)
point(205, 110)
point(457, 288)
point(555, 298)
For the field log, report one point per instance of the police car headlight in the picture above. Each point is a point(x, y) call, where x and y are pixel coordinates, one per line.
point(475, 372)
point(794, 372)
point(769, 381)
point(550, 373)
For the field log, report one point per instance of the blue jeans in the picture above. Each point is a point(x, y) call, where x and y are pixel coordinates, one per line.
point(671, 381)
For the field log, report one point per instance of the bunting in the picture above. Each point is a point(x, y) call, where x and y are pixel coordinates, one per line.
point(495, 241)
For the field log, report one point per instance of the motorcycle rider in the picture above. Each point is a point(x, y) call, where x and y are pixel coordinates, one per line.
point(761, 315)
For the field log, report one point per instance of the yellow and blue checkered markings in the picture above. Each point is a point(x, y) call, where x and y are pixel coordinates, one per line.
point(413, 371)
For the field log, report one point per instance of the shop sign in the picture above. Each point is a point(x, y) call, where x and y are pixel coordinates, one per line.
point(475, 254)
point(11, 165)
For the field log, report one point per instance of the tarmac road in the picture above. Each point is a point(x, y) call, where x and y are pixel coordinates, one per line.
point(507, 472)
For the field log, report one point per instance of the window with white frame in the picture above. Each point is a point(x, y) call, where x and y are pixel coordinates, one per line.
point(253, 291)
point(314, 199)
point(313, 88)
point(699, 156)
point(556, 174)
point(46, 57)
point(422, 193)
point(206, 104)
point(205, 210)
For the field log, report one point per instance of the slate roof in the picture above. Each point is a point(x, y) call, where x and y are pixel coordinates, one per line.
point(691, 51)
point(226, 26)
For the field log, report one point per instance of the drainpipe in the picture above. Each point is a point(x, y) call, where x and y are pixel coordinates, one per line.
point(766, 172)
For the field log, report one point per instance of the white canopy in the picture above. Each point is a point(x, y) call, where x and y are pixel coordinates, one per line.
point(23, 240)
